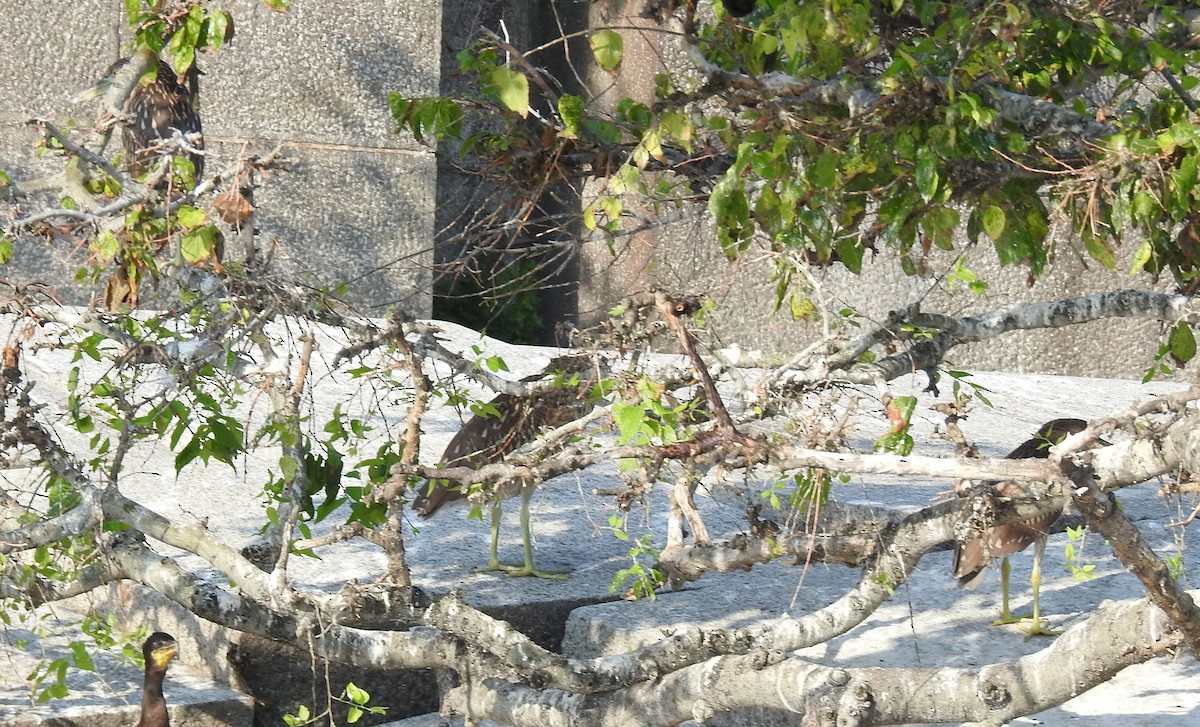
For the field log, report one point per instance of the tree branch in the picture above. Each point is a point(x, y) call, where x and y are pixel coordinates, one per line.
point(1118, 635)
point(1103, 516)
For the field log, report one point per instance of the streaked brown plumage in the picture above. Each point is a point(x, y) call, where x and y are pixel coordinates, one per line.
point(486, 439)
point(158, 109)
point(971, 558)
point(158, 650)
point(161, 107)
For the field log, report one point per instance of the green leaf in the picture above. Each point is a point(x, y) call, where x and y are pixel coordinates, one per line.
point(357, 694)
point(105, 247)
point(193, 27)
point(1140, 258)
point(301, 717)
point(182, 57)
point(605, 132)
point(495, 363)
point(939, 224)
point(570, 108)
point(731, 211)
point(426, 116)
point(612, 207)
point(607, 46)
point(824, 174)
point(927, 176)
point(1182, 343)
point(1145, 207)
point(628, 419)
point(1099, 251)
point(679, 127)
point(802, 308)
point(850, 252)
point(288, 466)
point(513, 89)
point(993, 222)
point(218, 29)
point(81, 657)
point(199, 245)
point(189, 216)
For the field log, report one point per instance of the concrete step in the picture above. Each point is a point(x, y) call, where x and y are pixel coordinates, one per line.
point(433, 719)
point(110, 695)
point(929, 622)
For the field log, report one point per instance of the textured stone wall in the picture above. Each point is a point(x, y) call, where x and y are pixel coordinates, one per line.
point(362, 204)
point(356, 202)
point(684, 257)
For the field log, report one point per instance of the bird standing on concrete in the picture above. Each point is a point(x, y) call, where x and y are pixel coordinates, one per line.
point(972, 557)
point(158, 650)
point(487, 439)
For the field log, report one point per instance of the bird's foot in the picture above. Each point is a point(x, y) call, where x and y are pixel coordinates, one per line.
point(526, 571)
point(494, 566)
point(522, 570)
point(1037, 627)
point(1027, 624)
point(1008, 617)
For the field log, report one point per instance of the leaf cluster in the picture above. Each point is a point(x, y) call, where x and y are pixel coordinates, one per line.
point(916, 125)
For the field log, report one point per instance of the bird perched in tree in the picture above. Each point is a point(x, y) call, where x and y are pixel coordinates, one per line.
point(971, 558)
point(514, 422)
point(158, 650)
point(159, 108)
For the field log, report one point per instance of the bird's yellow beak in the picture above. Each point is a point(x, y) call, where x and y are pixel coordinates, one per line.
point(163, 654)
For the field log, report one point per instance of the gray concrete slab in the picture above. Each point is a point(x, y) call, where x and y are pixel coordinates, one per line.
point(928, 622)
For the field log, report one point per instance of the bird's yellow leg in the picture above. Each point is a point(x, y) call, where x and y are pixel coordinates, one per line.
point(1035, 625)
point(526, 540)
point(494, 563)
point(1006, 616)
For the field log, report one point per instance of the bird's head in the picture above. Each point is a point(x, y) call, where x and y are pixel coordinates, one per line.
point(1057, 430)
point(159, 649)
point(1048, 435)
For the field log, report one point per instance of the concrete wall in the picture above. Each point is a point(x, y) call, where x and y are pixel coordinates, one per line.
point(361, 203)
point(685, 258)
point(357, 201)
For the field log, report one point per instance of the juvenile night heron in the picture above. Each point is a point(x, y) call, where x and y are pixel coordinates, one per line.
point(161, 109)
point(971, 558)
point(158, 650)
point(487, 439)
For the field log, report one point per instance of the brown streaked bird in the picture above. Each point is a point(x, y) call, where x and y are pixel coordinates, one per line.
point(158, 650)
point(971, 558)
point(158, 109)
point(486, 439)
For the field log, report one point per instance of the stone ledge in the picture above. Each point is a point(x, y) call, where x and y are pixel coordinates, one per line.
point(110, 696)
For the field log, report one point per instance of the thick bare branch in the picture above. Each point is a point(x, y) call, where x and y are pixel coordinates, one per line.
point(1135, 554)
point(1118, 635)
point(928, 354)
point(384, 649)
